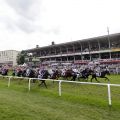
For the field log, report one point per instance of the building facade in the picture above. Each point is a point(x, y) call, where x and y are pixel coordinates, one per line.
point(8, 57)
point(105, 49)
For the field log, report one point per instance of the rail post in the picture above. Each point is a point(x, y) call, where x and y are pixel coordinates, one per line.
point(60, 88)
point(9, 78)
point(29, 84)
point(109, 95)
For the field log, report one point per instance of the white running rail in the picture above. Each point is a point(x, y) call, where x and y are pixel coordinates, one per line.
point(66, 81)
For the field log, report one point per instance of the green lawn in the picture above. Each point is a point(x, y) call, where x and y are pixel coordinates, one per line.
point(78, 101)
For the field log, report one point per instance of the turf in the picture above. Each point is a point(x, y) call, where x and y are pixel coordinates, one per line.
point(78, 102)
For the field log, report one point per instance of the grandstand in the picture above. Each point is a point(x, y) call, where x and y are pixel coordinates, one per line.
point(105, 49)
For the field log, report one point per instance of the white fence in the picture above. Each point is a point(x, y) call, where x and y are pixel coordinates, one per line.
point(66, 81)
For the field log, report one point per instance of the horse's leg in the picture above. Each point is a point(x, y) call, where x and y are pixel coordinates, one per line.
point(53, 79)
point(73, 78)
point(107, 79)
point(96, 79)
point(34, 80)
point(40, 83)
point(92, 78)
point(87, 78)
point(44, 83)
point(78, 78)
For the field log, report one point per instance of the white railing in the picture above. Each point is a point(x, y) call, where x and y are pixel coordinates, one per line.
point(66, 81)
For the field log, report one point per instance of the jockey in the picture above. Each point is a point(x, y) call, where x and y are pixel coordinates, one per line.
point(40, 73)
point(27, 72)
point(98, 70)
point(63, 72)
point(84, 73)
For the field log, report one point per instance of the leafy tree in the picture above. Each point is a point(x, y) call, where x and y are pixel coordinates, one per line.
point(21, 58)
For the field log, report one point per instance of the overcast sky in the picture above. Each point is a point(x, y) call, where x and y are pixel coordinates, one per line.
point(27, 23)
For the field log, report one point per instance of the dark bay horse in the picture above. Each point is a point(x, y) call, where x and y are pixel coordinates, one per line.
point(85, 74)
point(56, 74)
point(4, 72)
point(101, 75)
point(70, 74)
point(44, 74)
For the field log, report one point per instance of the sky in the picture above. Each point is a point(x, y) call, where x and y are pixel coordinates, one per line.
point(27, 23)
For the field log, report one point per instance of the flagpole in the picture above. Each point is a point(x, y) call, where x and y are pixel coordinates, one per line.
point(109, 40)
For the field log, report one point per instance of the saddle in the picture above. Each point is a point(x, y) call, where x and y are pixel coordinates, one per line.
point(98, 74)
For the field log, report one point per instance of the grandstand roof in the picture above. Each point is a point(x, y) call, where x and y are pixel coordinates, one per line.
point(76, 41)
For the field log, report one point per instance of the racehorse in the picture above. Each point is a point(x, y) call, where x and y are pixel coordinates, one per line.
point(30, 73)
point(55, 74)
point(101, 75)
point(84, 74)
point(4, 72)
point(70, 74)
point(43, 75)
point(17, 73)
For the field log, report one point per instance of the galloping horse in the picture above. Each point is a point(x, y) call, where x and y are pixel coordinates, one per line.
point(43, 75)
point(55, 74)
point(70, 74)
point(4, 71)
point(85, 74)
point(101, 75)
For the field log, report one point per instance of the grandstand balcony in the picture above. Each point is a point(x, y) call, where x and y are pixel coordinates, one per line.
point(87, 49)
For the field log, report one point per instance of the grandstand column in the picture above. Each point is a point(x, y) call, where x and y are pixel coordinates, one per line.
point(50, 60)
point(67, 50)
point(55, 52)
point(60, 51)
point(81, 53)
point(67, 55)
point(56, 59)
point(40, 53)
point(67, 58)
point(74, 58)
point(73, 48)
point(99, 49)
point(89, 50)
point(74, 52)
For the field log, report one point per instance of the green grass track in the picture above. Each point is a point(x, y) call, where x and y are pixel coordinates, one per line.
point(78, 101)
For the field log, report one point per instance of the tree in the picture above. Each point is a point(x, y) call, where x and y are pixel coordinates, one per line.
point(21, 58)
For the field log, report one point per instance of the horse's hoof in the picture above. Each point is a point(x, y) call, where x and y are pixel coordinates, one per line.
point(108, 82)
